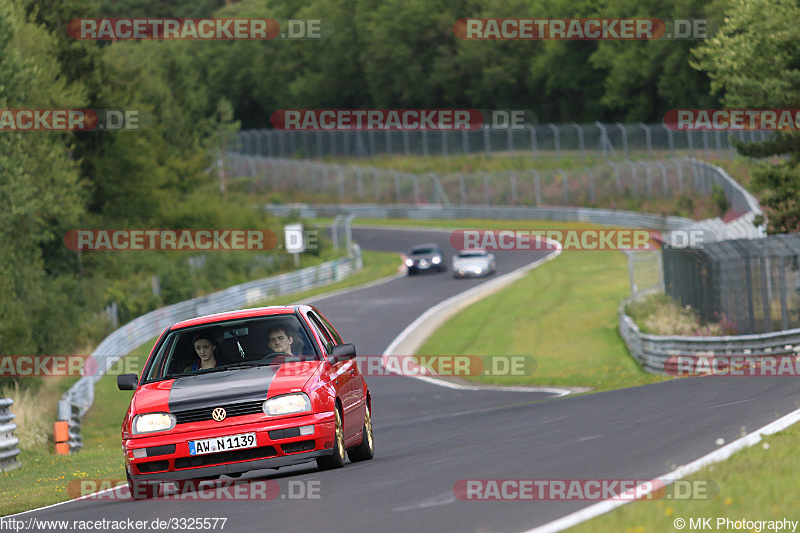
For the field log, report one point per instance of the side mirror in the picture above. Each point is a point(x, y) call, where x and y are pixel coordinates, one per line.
point(342, 352)
point(127, 381)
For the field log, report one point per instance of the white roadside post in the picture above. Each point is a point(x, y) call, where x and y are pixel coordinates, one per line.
point(295, 244)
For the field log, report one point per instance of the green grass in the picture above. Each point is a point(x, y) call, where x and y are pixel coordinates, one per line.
point(44, 477)
point(563, 314)
point(757, 483)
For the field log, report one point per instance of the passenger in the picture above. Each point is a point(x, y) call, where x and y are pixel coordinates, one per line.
point(207, 351)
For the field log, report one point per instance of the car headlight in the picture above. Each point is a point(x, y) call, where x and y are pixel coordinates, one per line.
point(409, 262)
point(150, 422)
point(436, 260)
point(287, 404)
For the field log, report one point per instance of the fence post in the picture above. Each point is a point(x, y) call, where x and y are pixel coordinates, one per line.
point(591, 184)
point(444, 143)
point(533, 139)
point(670, 141)
point(624, 138)
point(439, 189)
point(634, 177)
point(537, 187)
point(565, 183)
point(580, 139)
point(556, 139)
point(389, 141)
point(648, 170)
point(486, 199)
point(487, 144)
point(647, 138)
point(680, 173)
point(604, 142)
point(359, 181)
point(664, 183)
point(415, 183)
point(462, 190)
point(396, 176)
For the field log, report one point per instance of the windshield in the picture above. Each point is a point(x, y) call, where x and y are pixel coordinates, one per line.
point(472, 254)
point(226, 345)
point(424, 251)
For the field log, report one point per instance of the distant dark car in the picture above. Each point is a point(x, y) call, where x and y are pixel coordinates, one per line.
point(425, 257)
point(257, 408)
point(473, 263)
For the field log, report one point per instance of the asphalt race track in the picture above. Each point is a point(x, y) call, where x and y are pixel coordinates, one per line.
point(429, 437)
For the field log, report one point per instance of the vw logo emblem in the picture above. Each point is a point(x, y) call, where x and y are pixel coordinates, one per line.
point(218, 414)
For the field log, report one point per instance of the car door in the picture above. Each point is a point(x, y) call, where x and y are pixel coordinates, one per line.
point(348, 379)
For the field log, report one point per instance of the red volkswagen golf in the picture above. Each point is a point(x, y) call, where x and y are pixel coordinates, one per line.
point(244, 390)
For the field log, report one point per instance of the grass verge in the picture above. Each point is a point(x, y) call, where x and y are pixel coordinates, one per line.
point(745, 493)
point(563, 314)
point(45, 478)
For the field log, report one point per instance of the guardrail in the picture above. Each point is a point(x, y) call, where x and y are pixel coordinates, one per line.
point(79, 398)
point(656, 353)
point(9, 452)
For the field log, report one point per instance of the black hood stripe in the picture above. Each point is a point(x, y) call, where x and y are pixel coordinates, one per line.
point(221, 388)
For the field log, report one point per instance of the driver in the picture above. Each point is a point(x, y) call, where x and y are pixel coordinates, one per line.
point(280, 340)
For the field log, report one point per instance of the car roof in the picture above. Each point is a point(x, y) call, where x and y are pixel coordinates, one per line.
point(272, 310)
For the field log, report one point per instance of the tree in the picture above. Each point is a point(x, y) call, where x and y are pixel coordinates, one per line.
point(754, 63)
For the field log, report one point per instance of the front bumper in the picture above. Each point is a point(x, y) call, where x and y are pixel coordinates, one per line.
point(167, 455)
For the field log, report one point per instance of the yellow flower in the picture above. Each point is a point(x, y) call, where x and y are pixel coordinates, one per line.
point(728, 500)
point(669, 511)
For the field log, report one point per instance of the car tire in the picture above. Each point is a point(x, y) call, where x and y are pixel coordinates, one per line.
point(366, 450)
point(329, 462)
point(141, 490)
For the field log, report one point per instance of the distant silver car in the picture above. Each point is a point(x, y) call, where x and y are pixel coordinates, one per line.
point(473, 263)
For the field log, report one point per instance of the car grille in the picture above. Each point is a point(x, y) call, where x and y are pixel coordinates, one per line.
point(226, 457)
point(204, 413)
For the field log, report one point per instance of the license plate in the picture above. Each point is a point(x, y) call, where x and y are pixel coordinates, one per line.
point(222, 444)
